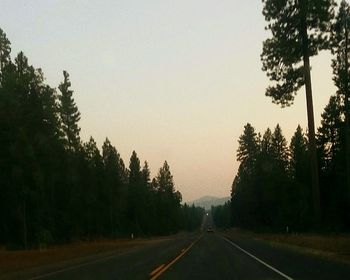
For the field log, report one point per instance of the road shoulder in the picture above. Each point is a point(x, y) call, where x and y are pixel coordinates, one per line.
point(24, 264)
point(331, 247)
point(297, 262)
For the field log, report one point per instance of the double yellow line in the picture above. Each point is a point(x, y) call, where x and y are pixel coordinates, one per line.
point(162, 268)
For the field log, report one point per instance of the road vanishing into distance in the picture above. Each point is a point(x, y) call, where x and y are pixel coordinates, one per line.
point(205, 255)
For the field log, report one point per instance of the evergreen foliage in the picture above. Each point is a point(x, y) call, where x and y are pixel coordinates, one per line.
point(275, 193)
point(221, 215)
point(300, 29)
point(56, 188)
point(69, 114)
point(341, 71)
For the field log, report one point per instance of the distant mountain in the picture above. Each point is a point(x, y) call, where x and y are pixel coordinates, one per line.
point(207, 201)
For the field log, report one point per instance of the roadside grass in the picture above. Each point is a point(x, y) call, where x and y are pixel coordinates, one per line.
point(332, 246)
point(25, 259)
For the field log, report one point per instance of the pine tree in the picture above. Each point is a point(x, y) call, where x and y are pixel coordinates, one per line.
point(5, 50)
point(299, 29)
point(149, 210)
point(136, 194)
point(264, 179)
point(134, 171)
point(266, 143)
point(274, 197)
point(7, 133)
point(69, 114)
point(300, 192)
point(341, 71)
point(92, 153)
point(169, 200)
point(146, 174)
point(112, 187)
point(279, 148)
point(331, 142)
point(248, 148)
point(246, 194)
point(298, 151)
point(330, 132)
point(165, 179)
point(93, 191)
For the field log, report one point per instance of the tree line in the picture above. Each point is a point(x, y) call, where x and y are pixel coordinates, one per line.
point(56, 188)
point(222, 215)
point(272, 189)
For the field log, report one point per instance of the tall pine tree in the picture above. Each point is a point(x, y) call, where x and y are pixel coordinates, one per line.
point(340, 64)
point(135, 194)
point(69, 114)
point(299, 30)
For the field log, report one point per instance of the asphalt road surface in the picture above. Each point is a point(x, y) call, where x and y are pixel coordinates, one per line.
point(202, 256)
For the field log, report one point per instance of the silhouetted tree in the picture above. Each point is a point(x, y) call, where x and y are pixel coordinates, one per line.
point(93, 191)
point(113, 185)
point(329, 134)
point(340, 64)
point(300, 191)
point(331, 144)
point(136, 194)
point(248, 148)
point(299, 30)
point(149, 211)
point(69, 114)
point(5, 50)
point(245, 201)
point(276, 195)
point(298, 150)
point(168, 201)
point(279, 147)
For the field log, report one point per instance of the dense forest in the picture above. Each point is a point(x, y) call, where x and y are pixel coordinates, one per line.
point(56, 188)
point(281, 187)
point(272, 190)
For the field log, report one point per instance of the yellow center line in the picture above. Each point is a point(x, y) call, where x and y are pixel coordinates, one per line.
point(165, 268)
point(157, 269)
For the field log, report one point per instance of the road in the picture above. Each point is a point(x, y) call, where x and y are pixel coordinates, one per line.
point(215, 257)
point(202, 256)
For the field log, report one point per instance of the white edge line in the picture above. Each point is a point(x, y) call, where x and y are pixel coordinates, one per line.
point(257, 259)
point(75, 266)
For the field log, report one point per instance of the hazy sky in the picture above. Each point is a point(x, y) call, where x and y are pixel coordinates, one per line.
point(174, 80)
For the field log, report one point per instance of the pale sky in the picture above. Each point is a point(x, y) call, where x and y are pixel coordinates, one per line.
point(173, 80)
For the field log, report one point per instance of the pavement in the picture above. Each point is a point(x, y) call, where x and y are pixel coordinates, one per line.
point(202, 255)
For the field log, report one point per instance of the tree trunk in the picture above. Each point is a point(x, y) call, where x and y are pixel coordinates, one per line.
point(347, 109)
point(311, 123)
point(24, 218)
